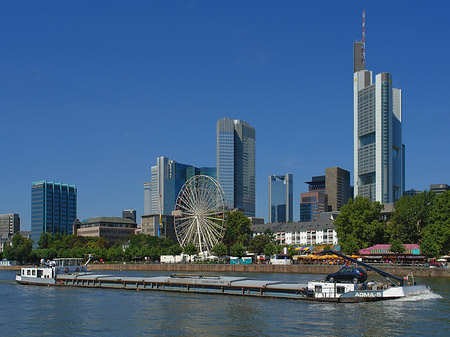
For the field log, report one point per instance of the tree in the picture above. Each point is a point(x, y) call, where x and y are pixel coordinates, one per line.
point(397, 246)
point(272, 237)
point(438, 228)
point(190, 249)
point(411, 217)
point(19, 250)
point(238, 229)
point(220, 249)
point(45, 240)
point(429, 247)
point(359, 226)
point(271, 249)
point(237, 249)
point(350, 246)
point(175, 249)
point(257, 244)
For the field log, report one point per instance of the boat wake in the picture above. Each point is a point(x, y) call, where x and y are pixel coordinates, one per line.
point(422, 296)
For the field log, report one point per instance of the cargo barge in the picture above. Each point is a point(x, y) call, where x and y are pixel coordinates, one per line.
point(70, 272)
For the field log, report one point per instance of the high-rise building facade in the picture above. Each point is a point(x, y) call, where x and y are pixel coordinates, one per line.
point(312, 204)
point(167, 179)
point(53, 208)
point(147, 197)
point(337, 186)
point(236, 163)
point(281, 198)
point(379, 155)
point(9, 224)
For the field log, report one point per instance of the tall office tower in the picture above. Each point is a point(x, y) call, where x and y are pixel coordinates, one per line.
point(129, 214)
point(379, 155)
point(9, 224)
point(337, 186)
point(280, 198)
point(147, 197)
point(53, 208)
point(167, 179)
point(236, 163)
point(312, 204)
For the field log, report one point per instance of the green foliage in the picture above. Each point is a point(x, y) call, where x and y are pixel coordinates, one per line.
point(190, 249)
point(271, 249)
point(238, 250)
point(397, 246)
point(411, 217)
point(429, 247)
point(350, 246)
point(359, 226)
point(438, 229)
point(175, 249)
point(257, 244)
point(327, 247)
point(20, 250)
point(272, 237)
point(220, 249)
point(238, 229)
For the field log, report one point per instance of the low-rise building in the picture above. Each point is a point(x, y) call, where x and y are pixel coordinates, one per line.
point(320, 231)
point(110, 228)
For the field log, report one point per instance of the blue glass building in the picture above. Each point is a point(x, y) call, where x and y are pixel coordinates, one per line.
point(280, 198)
point(236, 163)
point(53, 208)
point(167, 179)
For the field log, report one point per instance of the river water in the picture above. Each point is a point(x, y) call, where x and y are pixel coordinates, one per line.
point(64, 311)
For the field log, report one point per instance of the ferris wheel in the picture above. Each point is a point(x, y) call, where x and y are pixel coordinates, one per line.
point(200, 210)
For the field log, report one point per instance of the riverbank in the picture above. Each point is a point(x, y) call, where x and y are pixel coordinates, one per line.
point(255, 268)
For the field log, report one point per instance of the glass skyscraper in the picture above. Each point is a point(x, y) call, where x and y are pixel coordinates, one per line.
point(167, 179)
point(236, 163)
point(280, 198)
point(379, 155)
point(53, 208)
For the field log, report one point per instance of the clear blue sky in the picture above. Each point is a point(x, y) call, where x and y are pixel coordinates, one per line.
point(92, 92)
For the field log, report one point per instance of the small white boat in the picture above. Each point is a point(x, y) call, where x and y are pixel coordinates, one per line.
point(47, 272)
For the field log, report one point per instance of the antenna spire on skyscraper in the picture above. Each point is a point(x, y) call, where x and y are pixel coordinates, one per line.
point(363, 45)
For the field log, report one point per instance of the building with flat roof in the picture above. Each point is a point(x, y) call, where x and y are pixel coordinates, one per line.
point(53, 208)
point(312, 204)
point(337, 187)
point(110, 228)
point(439, 188)
point(236, 164)
point(130, 214)
point(9, 224)
point(301, 233)
point(378, 151)
point(281, 198)
point(150, 225)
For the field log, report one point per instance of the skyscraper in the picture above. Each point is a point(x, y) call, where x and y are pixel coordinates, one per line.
point(167, 179)
point(337, 186)
point(53, 208)
point(280, 198)
point(236, 163)
point(379, 155)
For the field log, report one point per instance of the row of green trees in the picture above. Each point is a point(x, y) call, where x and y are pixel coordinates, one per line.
point(423, 219)
point(138, 247)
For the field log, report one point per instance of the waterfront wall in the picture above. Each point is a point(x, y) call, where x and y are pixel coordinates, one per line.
point(264, 268)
